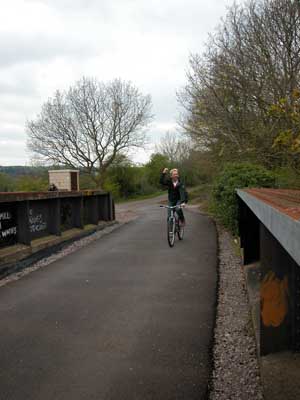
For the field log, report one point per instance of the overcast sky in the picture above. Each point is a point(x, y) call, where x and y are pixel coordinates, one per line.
point(49, 44)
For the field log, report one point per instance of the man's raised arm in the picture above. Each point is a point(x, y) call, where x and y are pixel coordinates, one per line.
point(164, 180)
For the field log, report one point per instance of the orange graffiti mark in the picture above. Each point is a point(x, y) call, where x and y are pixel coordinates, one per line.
point(274, 299)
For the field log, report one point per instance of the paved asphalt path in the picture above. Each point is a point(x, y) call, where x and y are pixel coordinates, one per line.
point(124, 318)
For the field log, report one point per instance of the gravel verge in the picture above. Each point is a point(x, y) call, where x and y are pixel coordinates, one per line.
point(236, 372)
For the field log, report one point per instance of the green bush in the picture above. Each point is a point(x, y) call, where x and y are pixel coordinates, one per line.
point(236, 176)
point(113, 188)
point(125, 177)
point(6, 183)
point(31, 183)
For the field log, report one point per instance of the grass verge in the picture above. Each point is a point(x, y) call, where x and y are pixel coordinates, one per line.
point(200, 195)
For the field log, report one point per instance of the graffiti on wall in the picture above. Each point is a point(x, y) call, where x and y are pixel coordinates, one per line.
point(8, 227)
point(5, 229)
point(37, 223)
point(274, 300)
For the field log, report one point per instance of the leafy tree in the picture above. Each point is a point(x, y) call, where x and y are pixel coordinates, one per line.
point(250, 63)
point(286, 117)
point(126, 178)
point(86, 181)
point(154, 168)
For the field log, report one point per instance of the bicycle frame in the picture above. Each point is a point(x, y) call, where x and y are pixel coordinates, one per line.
point(173, 224)
point(173, 213)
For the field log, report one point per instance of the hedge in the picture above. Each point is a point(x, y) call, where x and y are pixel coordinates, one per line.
point(236, 176)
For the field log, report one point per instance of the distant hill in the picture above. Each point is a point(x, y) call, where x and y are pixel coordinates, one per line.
point(21, 170)
point(16, 178)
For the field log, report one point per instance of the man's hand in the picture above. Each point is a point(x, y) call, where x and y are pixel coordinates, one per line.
point(165, 170)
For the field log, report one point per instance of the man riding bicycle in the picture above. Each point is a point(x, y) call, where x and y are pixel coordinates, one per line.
point(176, 190)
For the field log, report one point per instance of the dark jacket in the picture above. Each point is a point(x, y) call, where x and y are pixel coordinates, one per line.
point(174, 194)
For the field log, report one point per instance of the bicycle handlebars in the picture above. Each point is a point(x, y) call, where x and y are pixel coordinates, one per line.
point(171, 207)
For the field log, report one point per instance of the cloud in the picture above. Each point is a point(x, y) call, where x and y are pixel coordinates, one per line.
point(13, 152)
point(16, 48)
point(47, 45)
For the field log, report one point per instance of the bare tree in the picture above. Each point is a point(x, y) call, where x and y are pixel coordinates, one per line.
point(176, 149)
point(89, 125)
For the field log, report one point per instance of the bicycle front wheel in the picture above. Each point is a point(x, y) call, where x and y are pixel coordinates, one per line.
point(180, 232)
point(171, 232)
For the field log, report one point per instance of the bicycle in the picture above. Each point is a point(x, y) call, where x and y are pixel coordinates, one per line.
point(173, 226)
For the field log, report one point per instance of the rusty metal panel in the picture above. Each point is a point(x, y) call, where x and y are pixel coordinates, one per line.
point(71, 213)
point(78, 212)
point(286, 201)
point(277, 219)
point(54, 217)
point(90, 210)
point(103, 207)
point(28, 216)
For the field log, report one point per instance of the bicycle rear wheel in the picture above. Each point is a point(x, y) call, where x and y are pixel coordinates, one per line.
point(171, 232)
